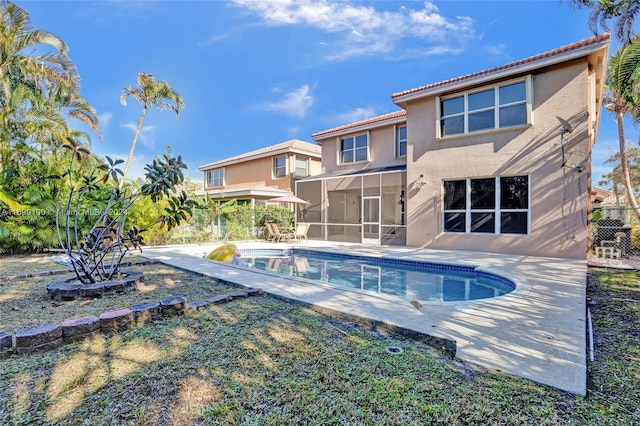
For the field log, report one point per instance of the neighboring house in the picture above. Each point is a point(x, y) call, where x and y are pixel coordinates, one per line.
point(257, 176)
point(494, 161)
point(610, 205)
point(601, 198)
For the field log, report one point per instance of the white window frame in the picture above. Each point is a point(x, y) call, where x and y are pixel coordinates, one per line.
point(276, 167)
point(295, 166)
point(528, 102)
point(399, 141)
point(497, 210)
point(340, 151)
point(212, 179)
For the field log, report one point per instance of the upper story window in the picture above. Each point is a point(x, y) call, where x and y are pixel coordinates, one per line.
point(302, 167)
point(401, 141)
point(280, 167)
point(215, 178)
point(497, 205)
point(354, 149)
point(496, 107)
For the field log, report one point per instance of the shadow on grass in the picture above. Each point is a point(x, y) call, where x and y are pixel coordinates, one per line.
point(264, 361)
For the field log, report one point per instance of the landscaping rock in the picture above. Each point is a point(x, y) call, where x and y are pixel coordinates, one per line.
point(254, 291)
point(74, 329)
point(195, 306)
point(91, 290)
point(62, 289)
point(174, 305)
point(114, 286)
point(145, 313)
point(119, 319)
point(46, 336)
point(69, 288)
point(238, 294)
point(217, 300)
point(6, 342)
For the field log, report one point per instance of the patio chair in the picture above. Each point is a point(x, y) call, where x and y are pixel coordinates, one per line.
point(281, 234)
point(301, 232)
point(615, 248)
point(270, 234)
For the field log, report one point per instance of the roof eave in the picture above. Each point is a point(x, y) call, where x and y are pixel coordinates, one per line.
point(357, 129)
point(224, 163)
point(502, 73)
point(244, 192)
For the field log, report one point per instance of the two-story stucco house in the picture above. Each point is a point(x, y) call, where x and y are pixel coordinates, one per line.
point(262, 174)
point(495, 161)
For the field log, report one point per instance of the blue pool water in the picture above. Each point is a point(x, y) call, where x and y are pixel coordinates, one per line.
point(410, 279)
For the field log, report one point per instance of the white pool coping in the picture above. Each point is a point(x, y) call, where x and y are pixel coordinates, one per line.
point(538, 331)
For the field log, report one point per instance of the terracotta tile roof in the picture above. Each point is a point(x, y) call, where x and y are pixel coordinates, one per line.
point(368, 121)
point(513, 65)
point(308, 148)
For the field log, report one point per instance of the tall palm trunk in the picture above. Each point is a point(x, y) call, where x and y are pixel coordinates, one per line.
point(624, 165)
point(133, 145)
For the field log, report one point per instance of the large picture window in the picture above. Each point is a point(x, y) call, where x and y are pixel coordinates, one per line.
point(401, 141)
point(215, 178)
point(490, 108)
point(488, 206)
point(280, 167)
point(354, 149)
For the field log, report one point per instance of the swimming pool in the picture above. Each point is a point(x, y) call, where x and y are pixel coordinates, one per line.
point(414, 280)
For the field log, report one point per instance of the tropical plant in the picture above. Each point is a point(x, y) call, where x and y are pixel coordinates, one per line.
point(96, 255)
point(623, 12)
point(149, 92)
point(39, 94)
point(623, 97)
point(39, 87)
point(614, 178)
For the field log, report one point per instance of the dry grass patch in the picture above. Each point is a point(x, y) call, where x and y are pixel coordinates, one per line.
point(26, 303)
point(264, 361)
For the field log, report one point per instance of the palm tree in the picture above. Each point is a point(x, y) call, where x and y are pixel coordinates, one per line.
point(36, 89)
point(623, 97)
point(623, 12)
point(149, 92)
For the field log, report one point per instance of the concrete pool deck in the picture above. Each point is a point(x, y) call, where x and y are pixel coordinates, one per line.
point(537, 332)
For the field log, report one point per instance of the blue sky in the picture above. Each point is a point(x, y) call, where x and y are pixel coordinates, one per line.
point(256, 73)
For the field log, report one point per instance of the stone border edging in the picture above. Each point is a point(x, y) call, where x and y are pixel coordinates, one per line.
point(67, 271)
point(64, 289)
point(50, 336)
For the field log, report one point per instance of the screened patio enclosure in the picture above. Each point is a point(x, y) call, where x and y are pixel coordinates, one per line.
point(361, 207)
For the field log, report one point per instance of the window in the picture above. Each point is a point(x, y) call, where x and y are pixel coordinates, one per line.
point(487, 206)
point(280, 167)
point(215, 178)
point(354, 149)
point(401, 141)
point(302, 167)
point(497, 107)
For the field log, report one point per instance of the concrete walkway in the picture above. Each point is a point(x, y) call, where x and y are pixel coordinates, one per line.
point(536, 332)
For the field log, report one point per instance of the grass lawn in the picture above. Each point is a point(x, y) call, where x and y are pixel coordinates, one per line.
point(265, 361)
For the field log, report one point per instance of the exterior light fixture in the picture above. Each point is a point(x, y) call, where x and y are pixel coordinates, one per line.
point(420, 183)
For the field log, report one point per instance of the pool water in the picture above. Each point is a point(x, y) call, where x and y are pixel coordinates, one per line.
point(410, 279)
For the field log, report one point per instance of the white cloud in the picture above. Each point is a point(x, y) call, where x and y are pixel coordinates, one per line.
point(356, 114)
point(144, 137)
point(104, 119)
point(296, 103)
point(362, 30)
point(214, 39)
point(496, 50)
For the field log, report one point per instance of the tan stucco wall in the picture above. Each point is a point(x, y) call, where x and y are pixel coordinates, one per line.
point(381, 151)
point(559, 196)
point(259, 172)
